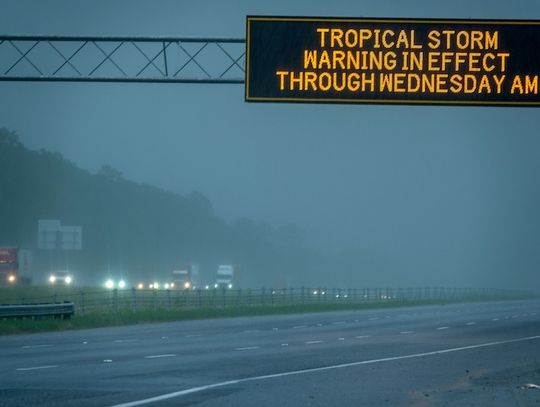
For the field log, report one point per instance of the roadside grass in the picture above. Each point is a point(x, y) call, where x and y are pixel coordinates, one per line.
point(128, 316)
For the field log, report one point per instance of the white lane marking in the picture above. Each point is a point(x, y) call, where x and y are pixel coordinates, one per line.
point(275, 329)
point(36, 367)
point(125, 340)
point(319, 324)
point(338, 322)
point(35, 346)
point(107, 360)
point(192, 335)
point(248, 348)
point(164, 337)
point(356, 320)
point(340, 339)
point(471, 323)
point(167, 396)
point(312, 342)
point(406, 332)
point(299, 326)
point(494, 319)
point(85, 343)
point(442, 328)
point(362, 336)
point(166, 355)
point(373, 319)
point(284, 344)
point(248, 331)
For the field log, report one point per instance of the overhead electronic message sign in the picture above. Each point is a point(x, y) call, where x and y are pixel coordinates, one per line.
point(392, 61)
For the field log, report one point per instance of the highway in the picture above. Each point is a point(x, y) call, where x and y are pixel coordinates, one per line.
point(477, 354)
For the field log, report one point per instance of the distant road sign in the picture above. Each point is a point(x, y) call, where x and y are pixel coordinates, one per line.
point(392, 61)
point(52, 235)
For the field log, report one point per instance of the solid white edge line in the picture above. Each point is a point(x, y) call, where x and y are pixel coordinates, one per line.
point(318, 369)
point(36, 367)
point(248, 348)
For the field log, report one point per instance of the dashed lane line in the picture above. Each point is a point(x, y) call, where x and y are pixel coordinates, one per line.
point(35, 346)
point(248, 348)
point(166, 355)
point(36, 367)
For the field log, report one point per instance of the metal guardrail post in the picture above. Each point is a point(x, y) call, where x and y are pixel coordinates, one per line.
point(133, 299)
point(115, 300)
point(82, 305)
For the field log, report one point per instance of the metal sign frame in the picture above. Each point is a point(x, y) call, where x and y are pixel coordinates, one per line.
point(281, 41)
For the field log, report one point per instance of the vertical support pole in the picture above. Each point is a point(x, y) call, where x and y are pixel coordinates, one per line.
point(165, 59)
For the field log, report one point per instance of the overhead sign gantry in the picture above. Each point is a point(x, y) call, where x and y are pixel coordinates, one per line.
point(46, 58)
point(392, 61)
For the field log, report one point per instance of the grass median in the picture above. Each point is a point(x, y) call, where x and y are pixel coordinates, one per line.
point(121, 317)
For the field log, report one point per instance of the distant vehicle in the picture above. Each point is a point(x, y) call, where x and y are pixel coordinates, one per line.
point(225, 276)
point(185, 277)
point(61, 277)
point(9, 265)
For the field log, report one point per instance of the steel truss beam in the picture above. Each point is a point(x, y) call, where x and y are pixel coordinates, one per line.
point(122, 59)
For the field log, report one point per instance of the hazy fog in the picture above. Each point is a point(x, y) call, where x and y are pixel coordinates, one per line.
point(441, 195)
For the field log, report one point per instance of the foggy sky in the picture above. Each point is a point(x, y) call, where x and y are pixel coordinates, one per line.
point(450, 193)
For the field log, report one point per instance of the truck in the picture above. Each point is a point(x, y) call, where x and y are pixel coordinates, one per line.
point(186, 277)
point(9, 265)
point(225, 276)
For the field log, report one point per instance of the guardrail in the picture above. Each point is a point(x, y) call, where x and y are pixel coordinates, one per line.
point(62, 310)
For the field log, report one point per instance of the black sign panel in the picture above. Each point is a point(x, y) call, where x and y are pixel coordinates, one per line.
point(392, 61)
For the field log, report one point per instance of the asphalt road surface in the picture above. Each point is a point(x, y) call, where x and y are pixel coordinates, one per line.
point(481, 354)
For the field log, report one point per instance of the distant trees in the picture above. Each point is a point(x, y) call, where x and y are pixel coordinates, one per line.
point(137, 230)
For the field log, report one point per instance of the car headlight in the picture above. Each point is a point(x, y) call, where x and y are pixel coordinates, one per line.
point(109, 284)
point(121, 284)
point(52, 279)
point(12, 278)
point(68, 280)
point(187, 284)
